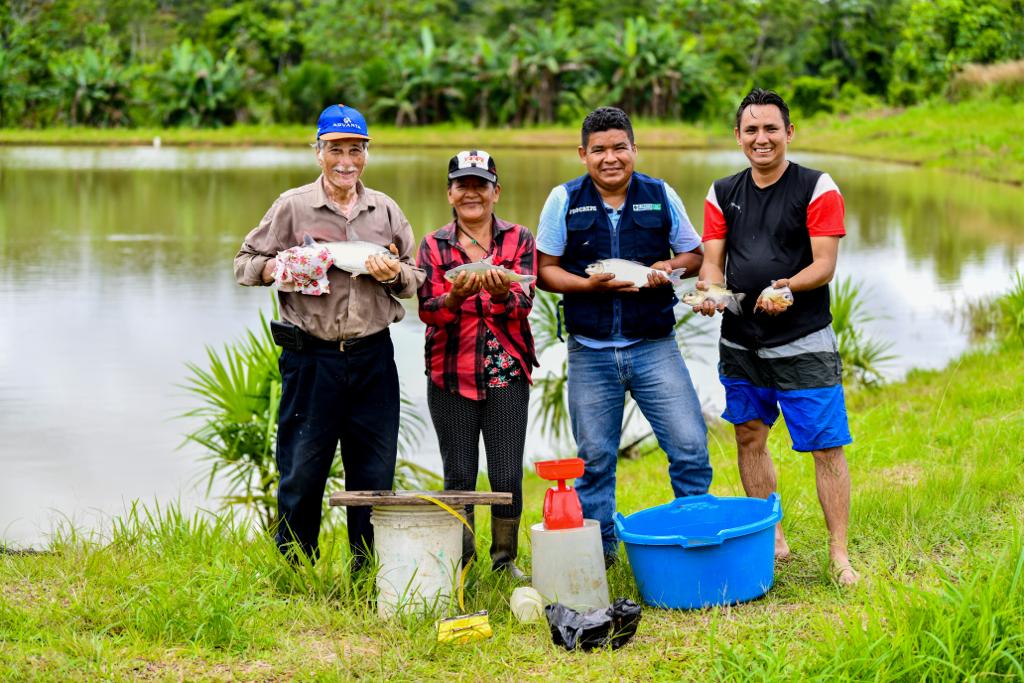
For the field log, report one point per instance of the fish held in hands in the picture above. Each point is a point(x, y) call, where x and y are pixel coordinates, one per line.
point(631, 271)
point(483, 266)
point(718, 295)
point(351, 256)
point(783, 297)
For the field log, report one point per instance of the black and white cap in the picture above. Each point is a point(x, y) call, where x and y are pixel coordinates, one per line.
point(472, 162)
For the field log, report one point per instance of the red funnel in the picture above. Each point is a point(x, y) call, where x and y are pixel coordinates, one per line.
point(562, 509)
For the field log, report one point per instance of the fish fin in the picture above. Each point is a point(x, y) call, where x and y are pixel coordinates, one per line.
point(307, 241)
point(527, 279)
point(489, 260)
point(676, 276)
point(740, 297)
point(734, 304)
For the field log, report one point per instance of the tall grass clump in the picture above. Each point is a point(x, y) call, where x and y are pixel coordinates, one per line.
point(969, 627)
point(1000, 319)
point(862, 356)
point(1002, 79)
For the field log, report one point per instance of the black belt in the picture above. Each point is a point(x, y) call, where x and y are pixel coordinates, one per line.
point(309, 341)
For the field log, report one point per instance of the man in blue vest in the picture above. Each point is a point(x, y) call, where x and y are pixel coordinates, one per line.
point(621, 336)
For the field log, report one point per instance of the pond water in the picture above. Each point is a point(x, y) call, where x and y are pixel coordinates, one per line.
point(115, 271)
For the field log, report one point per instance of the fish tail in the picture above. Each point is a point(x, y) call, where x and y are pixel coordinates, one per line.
point(307, 241)
point(676, 276)
point(734, 304)
point(527, 279)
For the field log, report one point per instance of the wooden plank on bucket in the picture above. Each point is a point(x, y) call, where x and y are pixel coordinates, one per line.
point(409, 498)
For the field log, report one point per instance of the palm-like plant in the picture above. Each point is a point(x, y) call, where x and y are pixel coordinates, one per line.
point(862, 356)
point(240, 390)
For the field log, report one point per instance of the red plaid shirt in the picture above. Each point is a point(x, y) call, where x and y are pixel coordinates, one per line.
point(455, 339)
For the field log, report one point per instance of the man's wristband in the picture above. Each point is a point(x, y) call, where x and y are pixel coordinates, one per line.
point(392, 280)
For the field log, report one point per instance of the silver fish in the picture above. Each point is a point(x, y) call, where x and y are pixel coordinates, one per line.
point(717, 294)
point(631, 271)
point(351, 256)
point(483, 266)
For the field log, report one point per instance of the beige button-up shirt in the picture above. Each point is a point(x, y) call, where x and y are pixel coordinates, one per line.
point(356, 306)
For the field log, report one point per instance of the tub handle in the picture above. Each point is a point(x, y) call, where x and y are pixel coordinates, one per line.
point(699, 541)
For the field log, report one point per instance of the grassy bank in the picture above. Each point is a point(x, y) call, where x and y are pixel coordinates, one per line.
point(980, 138)
point(936, 532)
point(984, 139)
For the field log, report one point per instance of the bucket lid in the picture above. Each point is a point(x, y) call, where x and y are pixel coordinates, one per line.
point(772, 514)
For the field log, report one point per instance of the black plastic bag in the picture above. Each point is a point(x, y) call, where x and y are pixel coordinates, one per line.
point(613, 625)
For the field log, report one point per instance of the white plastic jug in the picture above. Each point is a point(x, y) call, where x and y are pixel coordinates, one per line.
point(568, 565)
point(419, 549)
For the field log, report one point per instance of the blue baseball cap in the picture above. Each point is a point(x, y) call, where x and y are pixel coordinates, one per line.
point(339, 121)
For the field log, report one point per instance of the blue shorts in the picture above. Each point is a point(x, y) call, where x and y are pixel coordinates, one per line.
point(803, 378)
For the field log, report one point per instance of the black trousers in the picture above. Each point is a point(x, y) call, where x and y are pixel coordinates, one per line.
point(330, 396)
point(501, 418)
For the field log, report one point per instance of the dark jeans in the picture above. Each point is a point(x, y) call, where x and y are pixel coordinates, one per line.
point(328, 396)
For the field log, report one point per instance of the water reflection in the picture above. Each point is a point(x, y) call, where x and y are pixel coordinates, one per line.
point(115, 270)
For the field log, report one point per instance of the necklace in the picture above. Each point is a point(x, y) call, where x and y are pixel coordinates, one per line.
point(472, 240)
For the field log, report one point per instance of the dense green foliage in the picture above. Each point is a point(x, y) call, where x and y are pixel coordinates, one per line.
point(192, 63)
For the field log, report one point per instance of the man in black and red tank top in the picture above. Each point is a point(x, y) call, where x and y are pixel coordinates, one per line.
point(778, 224)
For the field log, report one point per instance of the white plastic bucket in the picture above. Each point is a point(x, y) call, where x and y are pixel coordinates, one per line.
point(419, 549)
point(568, 565)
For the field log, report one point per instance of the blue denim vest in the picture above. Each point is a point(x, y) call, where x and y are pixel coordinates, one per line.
point(642, 235)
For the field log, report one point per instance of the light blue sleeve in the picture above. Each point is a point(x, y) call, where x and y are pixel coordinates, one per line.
point(551, 231)
point(682, 237)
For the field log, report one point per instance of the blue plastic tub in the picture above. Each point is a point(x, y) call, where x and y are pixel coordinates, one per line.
point(702, 550)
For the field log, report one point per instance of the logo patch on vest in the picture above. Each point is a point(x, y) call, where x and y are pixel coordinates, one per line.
point(646, 207)
point(582, 209)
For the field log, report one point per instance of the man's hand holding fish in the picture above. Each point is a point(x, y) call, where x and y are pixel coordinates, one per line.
point(775, 298)
point(383, 269)
point(606, 282)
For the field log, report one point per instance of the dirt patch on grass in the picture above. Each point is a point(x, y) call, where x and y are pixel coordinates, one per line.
point(904, 474)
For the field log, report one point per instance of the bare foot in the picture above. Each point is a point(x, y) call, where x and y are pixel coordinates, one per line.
point(844, 574)
point(781, 547)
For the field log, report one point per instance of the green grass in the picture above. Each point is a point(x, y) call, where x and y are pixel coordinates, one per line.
point(981, 138)
point(935, 531)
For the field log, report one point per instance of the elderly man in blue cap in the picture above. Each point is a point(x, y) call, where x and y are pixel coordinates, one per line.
point(339, 383)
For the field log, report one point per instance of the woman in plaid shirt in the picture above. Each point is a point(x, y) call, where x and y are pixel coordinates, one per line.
point(479, 348)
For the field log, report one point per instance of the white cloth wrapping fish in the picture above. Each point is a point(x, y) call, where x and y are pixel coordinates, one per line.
point(631, 271)
point(483, 266)
point(303, 268)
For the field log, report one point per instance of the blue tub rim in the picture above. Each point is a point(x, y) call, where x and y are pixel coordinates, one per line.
point(774, 516)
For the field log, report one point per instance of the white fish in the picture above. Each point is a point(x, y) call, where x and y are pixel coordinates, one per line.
point(483, 266)
point(351, 256)
point(783, 296)
point(717, 294)
point(631, 271)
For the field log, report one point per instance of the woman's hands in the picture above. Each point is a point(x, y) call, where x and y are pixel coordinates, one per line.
point(466, 284)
